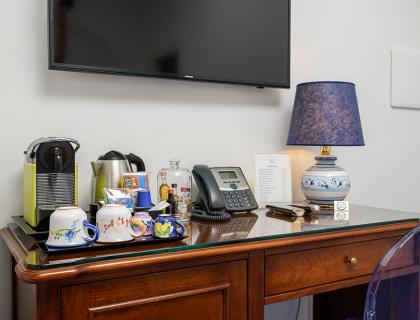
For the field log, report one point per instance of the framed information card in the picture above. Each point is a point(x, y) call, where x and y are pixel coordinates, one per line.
point(273, 179)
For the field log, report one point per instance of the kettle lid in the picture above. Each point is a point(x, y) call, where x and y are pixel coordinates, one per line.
point(113, 155)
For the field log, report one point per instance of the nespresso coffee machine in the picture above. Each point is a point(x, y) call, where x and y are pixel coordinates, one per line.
point(50, 179)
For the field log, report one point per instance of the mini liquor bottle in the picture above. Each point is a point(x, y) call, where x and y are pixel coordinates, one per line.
point(172, 203)
point(164, 188)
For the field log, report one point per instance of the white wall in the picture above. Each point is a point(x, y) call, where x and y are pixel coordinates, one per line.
point(217, 124)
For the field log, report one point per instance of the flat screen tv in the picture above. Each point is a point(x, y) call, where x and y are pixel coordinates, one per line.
point(229, 41)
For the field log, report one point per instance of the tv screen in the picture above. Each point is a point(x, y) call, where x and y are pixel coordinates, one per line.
point(231, 41)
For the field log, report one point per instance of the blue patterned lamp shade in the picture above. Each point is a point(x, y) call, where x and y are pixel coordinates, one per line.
point(326, 114)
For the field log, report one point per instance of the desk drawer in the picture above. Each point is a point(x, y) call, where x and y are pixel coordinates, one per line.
point(210, 292)
point(298, 270)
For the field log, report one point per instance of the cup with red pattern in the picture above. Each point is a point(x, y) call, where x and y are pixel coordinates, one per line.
point(114, 224)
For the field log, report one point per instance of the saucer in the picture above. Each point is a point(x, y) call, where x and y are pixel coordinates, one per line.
point(110, 242)
point(67, 246)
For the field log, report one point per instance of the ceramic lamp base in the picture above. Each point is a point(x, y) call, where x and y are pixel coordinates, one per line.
point(325, 182)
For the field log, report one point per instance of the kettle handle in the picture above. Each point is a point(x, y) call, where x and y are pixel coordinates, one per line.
point(133, 159)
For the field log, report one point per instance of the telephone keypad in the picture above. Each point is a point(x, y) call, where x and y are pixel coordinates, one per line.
point(237, 200)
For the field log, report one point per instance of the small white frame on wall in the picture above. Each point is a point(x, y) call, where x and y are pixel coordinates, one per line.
point(405, 78)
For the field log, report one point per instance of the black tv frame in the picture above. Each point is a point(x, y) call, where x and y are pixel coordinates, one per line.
point(127, 72)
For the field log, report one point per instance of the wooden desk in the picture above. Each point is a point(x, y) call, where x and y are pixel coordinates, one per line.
point(230, 280)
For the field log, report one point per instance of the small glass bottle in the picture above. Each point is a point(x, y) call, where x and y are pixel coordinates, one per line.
point(185, 203)
point(174, 187)
point(181, 180)
point(164, 188)
point(172, 209)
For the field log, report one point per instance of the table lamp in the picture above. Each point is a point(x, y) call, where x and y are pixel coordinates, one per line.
point(325, 114)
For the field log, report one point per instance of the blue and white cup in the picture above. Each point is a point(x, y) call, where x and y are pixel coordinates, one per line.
point(167, 226)
point(69, 228)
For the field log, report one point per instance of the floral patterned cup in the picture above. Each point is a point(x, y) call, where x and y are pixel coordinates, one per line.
point(114, 223)
point(69, 228)
point(142, 224)
point(138, 226)
point(166, 226)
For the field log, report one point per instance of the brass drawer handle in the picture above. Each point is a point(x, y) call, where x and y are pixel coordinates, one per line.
point(352, 261)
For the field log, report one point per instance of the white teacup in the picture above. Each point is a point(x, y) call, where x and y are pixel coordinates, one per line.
point(69, 228)
point(114, 223)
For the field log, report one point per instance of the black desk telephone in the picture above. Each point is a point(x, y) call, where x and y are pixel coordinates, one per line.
point(223, 190)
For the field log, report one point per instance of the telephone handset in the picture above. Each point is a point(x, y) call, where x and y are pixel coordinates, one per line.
point(223, 190)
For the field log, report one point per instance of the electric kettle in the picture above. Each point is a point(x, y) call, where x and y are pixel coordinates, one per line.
point(107, 171)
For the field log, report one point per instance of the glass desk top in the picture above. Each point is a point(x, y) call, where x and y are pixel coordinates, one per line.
point(258, 225)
